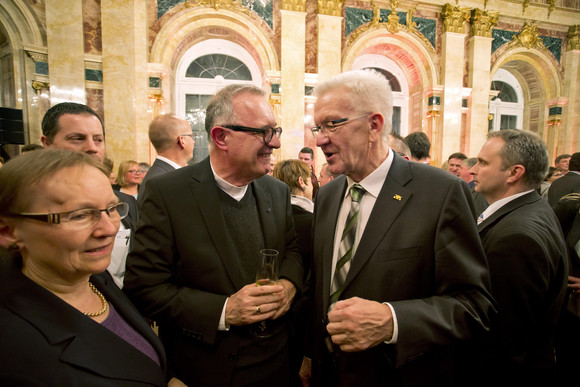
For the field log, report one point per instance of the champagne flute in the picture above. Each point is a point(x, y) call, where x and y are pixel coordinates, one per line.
point(267, 274)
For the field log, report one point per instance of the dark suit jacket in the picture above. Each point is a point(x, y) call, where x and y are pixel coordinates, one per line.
point(421, 253)
point(130, 221)
point(158, 168)
point(568, 183)
point(46, 342)
point(527, 258)
point(182, 269)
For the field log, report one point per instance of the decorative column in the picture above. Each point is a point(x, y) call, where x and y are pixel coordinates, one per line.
point(479, 79)
point(125, 79)
point(329, 21)
point(570, 127)
point(452, 61)
point(66, 64)
point(293, 66)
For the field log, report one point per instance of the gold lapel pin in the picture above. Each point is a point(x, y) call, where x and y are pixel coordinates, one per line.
point(397, 197)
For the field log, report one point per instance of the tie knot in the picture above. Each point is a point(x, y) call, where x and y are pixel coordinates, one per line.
point(357, 192)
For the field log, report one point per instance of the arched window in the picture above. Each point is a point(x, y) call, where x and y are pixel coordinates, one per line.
point(506, 108)
point(399, 86)
point(203, 70)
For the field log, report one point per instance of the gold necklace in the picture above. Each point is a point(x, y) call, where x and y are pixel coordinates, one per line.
point(103, 302)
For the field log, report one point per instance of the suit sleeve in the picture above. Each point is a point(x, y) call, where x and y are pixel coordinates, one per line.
point(461, 305)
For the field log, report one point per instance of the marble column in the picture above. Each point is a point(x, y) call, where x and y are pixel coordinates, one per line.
point(479, 79)
point(452, 61)
point(64, 31)
point(125, 79)
point(293, 66)
point(329, 54)
point(569, 133)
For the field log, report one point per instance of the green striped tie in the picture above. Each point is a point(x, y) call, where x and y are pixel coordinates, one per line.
point(346, 247)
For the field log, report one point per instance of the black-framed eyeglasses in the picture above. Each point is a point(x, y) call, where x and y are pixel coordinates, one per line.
point(267, 133)
point(79, 219)
point(332, 126)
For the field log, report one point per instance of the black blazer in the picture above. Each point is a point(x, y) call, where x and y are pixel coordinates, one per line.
point(46, 342)
point(181, 270)
point(130, 221)
point(528, 262)
point(159, 167)
point(568, 183)
point(420, 252)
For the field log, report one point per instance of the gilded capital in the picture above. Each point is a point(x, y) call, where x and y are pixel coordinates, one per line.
point(294, 5)
point(38, 85)
point(330, 7)
point(482, 22)
point(574, 38)
point(454, 18)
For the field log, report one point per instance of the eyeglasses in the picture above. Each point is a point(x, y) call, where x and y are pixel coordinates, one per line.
point(80, 219)
point(267, 133)
point(134, 171)
point(331, 126)
point(188, 135)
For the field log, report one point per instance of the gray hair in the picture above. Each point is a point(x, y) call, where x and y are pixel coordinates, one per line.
point(527, 149)
point(370, 91)
point(220, 108)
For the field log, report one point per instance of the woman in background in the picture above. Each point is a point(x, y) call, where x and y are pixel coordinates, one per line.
point(129, 178)
point(63, 321)
point(297, 175)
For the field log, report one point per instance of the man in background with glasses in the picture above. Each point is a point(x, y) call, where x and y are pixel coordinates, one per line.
point(77, 127)
point(193, 268)
point(173, 141)
point(399, 271)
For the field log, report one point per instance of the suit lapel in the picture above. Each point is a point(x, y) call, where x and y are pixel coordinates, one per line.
point(507, 208)
point(205, 193)
point(85, 343)
point(325, 232)
point(390, 202)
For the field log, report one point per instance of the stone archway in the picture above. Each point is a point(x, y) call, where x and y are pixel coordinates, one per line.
point(541, 79)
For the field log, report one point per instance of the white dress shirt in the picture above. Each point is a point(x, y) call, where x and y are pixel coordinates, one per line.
point(372, 185)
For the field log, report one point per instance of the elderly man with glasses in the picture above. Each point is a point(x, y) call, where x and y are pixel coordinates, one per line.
point(400, 276)
point(193, 268)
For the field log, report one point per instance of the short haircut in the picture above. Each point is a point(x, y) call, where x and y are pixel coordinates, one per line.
point(369, 90)
point(220, 108)
point(470, 162)
point(163, 131)
point(109, 164)
point(50, 120)
point(457, 155)
point(525, 148)
point(307, 149)
point(144, 167)
point(574, 162)
point(123, 168)
point(560, 157)
point(288, 171)
point(22, 173)
point(399, 145)
point(419, 145)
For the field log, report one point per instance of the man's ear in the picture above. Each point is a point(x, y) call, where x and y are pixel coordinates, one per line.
point(219, 137)
point(44, 141)
point(516, 173)
point(7, 237)
point(377, 121)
